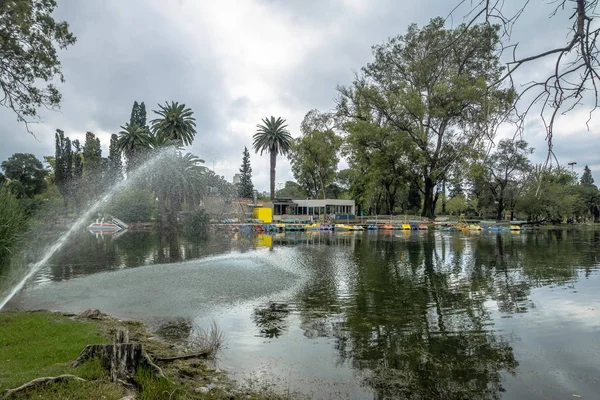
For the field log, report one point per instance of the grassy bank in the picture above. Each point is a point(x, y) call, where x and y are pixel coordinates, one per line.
point(41, 344)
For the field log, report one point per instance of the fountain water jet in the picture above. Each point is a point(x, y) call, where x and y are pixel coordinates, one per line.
point(84, 218)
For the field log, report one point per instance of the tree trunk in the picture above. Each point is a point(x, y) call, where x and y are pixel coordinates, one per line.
point(499, 210)
point(120, 359)
point(500, 206)
point(444, 197)
point(273, 163)
point(428, 204)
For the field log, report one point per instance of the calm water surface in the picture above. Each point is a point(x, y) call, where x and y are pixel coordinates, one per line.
point(408, 315)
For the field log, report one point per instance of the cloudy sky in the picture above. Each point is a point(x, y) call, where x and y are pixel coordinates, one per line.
point(236, 61)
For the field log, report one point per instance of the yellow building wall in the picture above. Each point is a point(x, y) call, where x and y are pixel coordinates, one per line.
point(266, 214)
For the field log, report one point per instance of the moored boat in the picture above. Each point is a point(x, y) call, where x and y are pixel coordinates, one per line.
point(312, 227)
point(342, 228)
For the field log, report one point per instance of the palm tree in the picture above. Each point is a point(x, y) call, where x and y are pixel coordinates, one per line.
point(273, 137)
point(133, 140)
point(176, 123)
point(177, 179)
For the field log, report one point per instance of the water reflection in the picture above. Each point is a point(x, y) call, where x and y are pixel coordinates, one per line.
point(413, 312)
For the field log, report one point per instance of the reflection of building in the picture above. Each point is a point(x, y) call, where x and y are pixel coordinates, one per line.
point(304, 209)
point(237, 178)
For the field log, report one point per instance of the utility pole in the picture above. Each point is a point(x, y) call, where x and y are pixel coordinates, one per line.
point(572, 164)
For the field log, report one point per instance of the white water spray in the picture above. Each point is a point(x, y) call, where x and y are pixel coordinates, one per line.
point(84, 218)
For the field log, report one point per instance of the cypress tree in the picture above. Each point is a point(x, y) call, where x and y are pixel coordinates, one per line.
point(586, 178)
point(246, 188)
point(115, 164)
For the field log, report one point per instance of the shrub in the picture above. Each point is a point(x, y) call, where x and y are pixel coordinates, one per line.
point(12, 219)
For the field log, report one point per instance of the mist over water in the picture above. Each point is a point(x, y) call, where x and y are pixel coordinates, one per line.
point(81, 222)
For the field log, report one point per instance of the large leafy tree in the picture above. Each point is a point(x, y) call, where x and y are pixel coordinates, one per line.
point(29, 38)
point(272, 137)
point(246, 188)
point(383, 158)
point(314, 158)
point(28, 171)
point(433, 85)
point(549, 195)
point(505, 171)
point(175, 123)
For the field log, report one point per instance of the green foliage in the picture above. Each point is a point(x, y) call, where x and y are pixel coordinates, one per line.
point(28, 171)
point(115, 165)
point(382, 159)
point(138, 115)
point(246, 188)
point(314, 159)
point(433, 85)
point(92, 156)
point(549, 195)
point(63, 172)
point(133, 142)
point(292, 190)
point(502, 175)
point(414, 198)
point(195, 224)
point(91, 181)
point(272, 137)
point(175, 124)
point(178, 179)
point(457, 205)
point(28, 48)
point(12, 220)
point(132, 205)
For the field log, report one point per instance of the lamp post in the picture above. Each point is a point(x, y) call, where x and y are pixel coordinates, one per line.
point(572, 163)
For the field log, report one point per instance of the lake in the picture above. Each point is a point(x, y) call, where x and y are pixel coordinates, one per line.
point(360, 315)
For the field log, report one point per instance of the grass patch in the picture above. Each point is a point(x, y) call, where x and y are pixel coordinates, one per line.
point(40, 344)
point(37, 344)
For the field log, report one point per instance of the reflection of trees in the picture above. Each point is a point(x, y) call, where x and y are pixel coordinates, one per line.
point(412, 313)
point(135, 248)
point(88, 255)
point(271, 319)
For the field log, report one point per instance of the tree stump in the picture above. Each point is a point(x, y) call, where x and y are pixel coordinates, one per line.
point(120, 359)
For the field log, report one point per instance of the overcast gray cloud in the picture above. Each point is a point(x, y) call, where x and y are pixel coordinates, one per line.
point(235, 62)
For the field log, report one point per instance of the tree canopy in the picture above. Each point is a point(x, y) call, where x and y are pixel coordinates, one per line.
point(272, 136)
point(432, 84)
point(26, 172)
point(29, 40)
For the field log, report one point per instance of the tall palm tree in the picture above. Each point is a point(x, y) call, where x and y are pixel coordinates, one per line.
point(273, 137)
point(133, 140)
point(175, 123)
